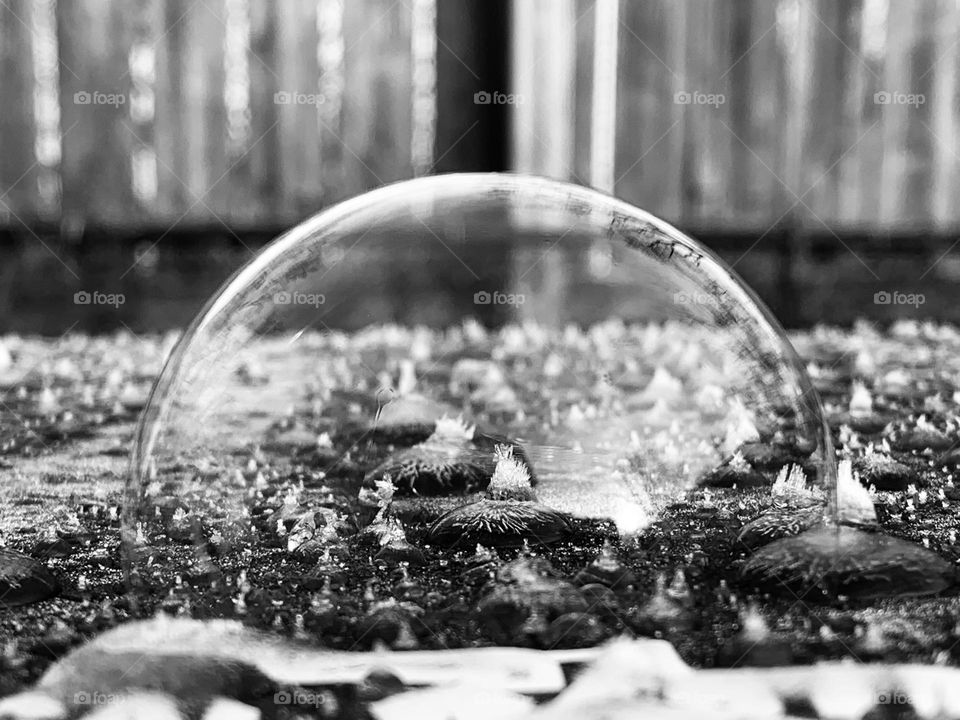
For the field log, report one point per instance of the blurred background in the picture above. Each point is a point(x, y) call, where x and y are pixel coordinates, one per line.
point(148, 148)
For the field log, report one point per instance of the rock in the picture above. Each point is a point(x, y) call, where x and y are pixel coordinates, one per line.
point(734, 472)
point(662, 614)
point(508, 516)
point(885, 473)
point(772, 456)
point(607, 570)
point(24, 580)
point(527, 587)
point(784, 518)
point(755, 644)
point(574, 630)
point(924, 436)
point(844, 561)
point(454, 459)
point(389, 622)
point(500, 523)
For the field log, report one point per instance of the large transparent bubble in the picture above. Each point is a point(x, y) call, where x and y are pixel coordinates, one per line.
point(532, 346)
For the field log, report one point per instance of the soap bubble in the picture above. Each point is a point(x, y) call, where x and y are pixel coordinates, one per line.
point(413, 342)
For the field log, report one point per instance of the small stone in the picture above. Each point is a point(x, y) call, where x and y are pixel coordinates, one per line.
point(786, 516)
point(527, 587)
point(574, 630)
point(844, 561)
point(24, 580)
point(755, 645)
point(508, 516)
point(735, 472)
point(500, 523)
point(884, 473)
point(607, 570)
point(924, 436)
point(662, 614)
point(772, 456)
point(388, 621)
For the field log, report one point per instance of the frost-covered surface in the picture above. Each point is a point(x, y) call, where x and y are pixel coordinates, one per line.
point(571, 393)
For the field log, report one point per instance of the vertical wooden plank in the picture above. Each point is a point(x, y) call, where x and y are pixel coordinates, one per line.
point(756, 78)
point(298, 102)
point(593, 74)
point(827, 132)
point(602, 119)
point(907, 148)
point(545, 60)
point(945, 125)
point(712, 140)
point(649, 112)
point(191, 116)
point(18, 175)
point(376, 114)
point(858, 188)
point(94, 42)
point(261, 164)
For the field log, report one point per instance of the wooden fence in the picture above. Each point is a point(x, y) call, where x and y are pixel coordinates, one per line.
point(831, 114)
point(716, 114)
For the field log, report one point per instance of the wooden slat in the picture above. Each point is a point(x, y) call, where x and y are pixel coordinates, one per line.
point(944, 122)
point(94, 45)
point(376, 114)
point(648, 80)
point(190, 114)
point(18, 173)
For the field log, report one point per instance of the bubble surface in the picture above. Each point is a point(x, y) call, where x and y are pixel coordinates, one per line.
point(620, 363)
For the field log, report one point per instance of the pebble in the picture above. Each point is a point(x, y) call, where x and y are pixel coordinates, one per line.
point(574, 630)
point(662, 614)
point(845, 561)
point(527, 587)
point(500, 523)
point(786, 516)
point(606, 569)
point(24, 580)
point(884, 473)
